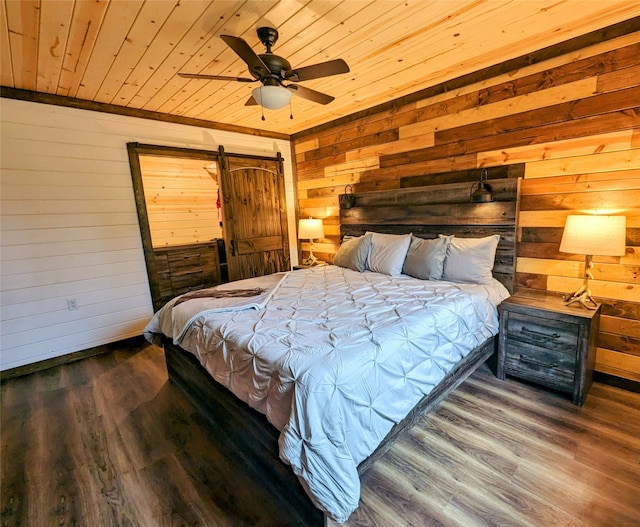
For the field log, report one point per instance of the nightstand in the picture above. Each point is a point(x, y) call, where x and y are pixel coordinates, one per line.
point(546, 342)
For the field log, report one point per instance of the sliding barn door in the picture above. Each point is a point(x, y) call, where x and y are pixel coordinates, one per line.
point(254, 216)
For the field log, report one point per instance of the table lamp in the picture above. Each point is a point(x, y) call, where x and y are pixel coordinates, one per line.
point(308, 230)
point(589, 235)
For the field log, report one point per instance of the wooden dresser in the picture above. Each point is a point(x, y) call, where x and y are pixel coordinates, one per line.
point(546, 342)
point(184, 268)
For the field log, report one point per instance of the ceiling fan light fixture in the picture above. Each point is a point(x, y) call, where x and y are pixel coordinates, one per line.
point(272, 97)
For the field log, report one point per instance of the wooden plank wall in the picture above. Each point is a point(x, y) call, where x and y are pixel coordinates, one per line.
point(69, 229)
point(180, 197)
point(573, 120)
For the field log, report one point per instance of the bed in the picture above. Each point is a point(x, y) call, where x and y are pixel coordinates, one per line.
point(340, 359)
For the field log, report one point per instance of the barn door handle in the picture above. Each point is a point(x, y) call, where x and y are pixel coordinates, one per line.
point(233, 247)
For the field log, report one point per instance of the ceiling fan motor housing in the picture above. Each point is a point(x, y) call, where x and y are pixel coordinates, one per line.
point(268, 36)
point(277, 65)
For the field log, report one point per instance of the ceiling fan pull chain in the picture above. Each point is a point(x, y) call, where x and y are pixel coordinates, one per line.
point(290, 110)
point(261, 106)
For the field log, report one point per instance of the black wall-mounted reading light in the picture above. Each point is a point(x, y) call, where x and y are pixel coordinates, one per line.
point(483, 193)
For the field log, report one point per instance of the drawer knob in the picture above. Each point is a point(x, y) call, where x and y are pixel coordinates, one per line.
point(525, 329)
point(191, 255)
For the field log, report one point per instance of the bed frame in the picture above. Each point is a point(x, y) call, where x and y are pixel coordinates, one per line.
point(426, 211)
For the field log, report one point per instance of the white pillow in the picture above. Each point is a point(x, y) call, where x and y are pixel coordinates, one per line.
point(388, 252)
point(425, 258)
point(470, 259)
point(353, 253)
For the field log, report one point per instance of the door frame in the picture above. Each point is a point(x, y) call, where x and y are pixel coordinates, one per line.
point(134, 150)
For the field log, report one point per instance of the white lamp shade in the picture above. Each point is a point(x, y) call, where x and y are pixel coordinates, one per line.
point(310, 229)
point(272, 97)
point(594, 235)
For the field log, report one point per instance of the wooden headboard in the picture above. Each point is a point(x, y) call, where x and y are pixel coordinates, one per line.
point(430, 210)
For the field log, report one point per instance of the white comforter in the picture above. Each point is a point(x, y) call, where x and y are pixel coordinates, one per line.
point(335, 358)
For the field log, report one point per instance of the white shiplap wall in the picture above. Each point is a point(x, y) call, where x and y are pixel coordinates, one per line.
point(69, 228)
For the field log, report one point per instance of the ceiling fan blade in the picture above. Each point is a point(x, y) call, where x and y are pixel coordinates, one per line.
point(214, 77)
point(309, 94)
point(315, 71)
point(251, 102)
point(244, 51)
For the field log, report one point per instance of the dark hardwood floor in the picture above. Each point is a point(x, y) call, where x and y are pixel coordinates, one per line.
point(108, 441)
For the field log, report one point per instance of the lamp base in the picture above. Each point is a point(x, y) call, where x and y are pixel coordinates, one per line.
point(311, 260)
point(583, 295)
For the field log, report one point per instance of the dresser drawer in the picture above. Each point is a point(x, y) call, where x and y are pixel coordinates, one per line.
point(552, 368)
point(553, 335)
point(187, 281)
point(193, 268)
point(186, 259)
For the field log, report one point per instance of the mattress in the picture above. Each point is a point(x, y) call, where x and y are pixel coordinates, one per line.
point(334, 358)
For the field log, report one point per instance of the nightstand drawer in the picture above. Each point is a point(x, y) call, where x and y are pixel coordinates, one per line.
point(553, 368)
point(543, 332)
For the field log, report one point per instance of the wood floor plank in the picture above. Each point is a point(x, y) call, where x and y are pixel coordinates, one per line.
point(108, 441)
point(485, 493)
point(177, 489)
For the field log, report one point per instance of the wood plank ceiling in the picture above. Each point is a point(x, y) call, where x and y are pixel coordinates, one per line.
point(127, 52)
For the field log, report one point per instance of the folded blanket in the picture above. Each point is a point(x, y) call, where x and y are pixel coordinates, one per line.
point(175, 317)
point(212, 292)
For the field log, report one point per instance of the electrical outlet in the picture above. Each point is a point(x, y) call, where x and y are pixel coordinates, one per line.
point(72, 304)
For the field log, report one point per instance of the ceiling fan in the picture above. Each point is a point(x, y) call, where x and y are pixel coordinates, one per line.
point(273, 71)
